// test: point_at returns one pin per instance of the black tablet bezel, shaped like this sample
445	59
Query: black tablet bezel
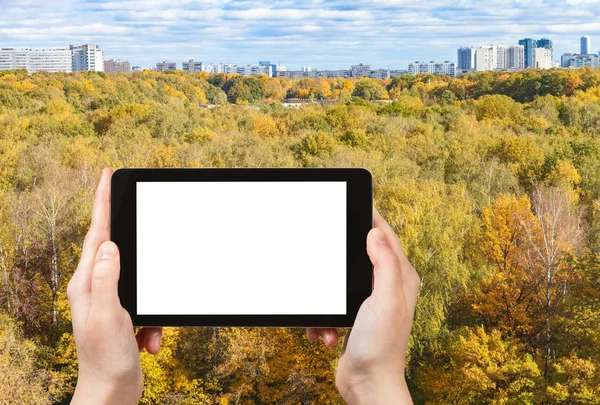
359	220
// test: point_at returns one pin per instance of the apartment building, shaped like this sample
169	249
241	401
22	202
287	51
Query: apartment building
121	66
88	58
35	60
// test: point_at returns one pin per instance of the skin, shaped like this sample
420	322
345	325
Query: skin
371	367
108	351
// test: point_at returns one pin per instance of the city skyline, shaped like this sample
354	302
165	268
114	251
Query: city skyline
323	34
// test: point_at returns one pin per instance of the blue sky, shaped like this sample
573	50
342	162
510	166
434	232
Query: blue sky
317	33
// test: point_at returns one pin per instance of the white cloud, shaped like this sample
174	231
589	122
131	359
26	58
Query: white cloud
267	13
321	33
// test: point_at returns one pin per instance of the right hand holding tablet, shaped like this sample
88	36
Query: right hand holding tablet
371	367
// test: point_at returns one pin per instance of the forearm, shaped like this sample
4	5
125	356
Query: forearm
377	393
99	393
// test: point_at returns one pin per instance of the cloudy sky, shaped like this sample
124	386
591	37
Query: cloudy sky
317	33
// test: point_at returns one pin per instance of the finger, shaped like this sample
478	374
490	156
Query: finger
380	222
386	267
329	336
105	280
152	339
79	288
99	232
411	281
139	337
312	334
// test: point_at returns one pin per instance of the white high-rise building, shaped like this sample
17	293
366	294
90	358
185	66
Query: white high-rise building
510	57
87	58
542	58
192	66
486	58
516	57
585	45
35	60
502	57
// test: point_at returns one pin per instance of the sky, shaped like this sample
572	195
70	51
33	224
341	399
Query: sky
318	33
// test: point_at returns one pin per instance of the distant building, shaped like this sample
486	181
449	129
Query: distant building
218	68
118	65
330	74
542	58
530	44
88	58
377	74
585	45
510	57
274	66
248	70
502	59
192	66
576	61
136	68
546	44
314	74
444	68
355	71
360	69
164	66
35	60
295	74
395	73
486	58
516	57
466	58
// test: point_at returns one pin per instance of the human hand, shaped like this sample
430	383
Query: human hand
107	349
371	366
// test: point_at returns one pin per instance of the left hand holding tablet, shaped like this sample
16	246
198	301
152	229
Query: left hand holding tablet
107	349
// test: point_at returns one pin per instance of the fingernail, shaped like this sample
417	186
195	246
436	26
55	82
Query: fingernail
107	251
379	236
157	341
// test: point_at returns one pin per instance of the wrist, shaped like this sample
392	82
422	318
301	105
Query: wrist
379	391
99	392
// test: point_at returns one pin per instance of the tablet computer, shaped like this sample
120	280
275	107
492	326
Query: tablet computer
242	247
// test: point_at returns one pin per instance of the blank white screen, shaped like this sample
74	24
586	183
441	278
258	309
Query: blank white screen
227	248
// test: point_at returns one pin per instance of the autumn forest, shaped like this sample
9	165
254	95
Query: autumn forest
491	181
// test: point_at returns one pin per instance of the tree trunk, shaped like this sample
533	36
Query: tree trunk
548	331
7	286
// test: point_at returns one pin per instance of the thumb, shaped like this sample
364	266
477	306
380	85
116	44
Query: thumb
105	279
386	267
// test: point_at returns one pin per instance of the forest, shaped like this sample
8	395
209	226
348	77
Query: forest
491	181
